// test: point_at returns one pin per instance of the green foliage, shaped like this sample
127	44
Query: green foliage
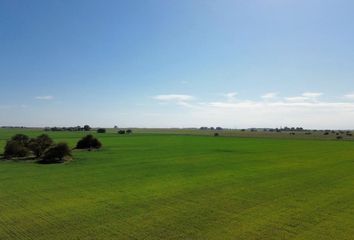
15	148
56	154
87	128
89	142
39	144
121	132
101	130
22	139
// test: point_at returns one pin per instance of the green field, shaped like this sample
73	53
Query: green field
167	186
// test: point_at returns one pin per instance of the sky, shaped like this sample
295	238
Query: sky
177	63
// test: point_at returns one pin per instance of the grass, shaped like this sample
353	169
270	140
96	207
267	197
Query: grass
167	186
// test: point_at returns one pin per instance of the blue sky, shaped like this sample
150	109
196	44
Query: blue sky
265	63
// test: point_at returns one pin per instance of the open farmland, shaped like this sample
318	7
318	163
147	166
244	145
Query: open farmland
169	186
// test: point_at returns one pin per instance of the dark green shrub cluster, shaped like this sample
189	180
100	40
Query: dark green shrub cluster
17	147
56	154
89	142
101	130
42	148
40	144
122	131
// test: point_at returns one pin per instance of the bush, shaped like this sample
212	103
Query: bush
40	144
121	132
129	131
88	142
15	149
339	137
101	130
216	134
21	139
56	154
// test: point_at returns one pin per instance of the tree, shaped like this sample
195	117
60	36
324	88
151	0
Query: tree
87	128
88	142
39	144
101	130
15	149
21	139
56	154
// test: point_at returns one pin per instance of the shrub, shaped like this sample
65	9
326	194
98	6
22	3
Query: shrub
101	130
15	149
40	144
216	134
129	131
21	139
339	137
56	154
88	142
121	132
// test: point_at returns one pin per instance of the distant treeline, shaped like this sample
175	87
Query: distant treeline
72	129
211	128
294	129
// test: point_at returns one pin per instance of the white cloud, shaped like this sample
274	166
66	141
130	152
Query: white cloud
305	110
306	96
174	97
44	97
179	99
312	94
349	96
269	96
297	99
231	96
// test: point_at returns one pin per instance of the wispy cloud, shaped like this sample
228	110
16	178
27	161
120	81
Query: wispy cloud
306	96
312	94
174	97
269	96
179	99
48	97
349	96
306	110
231	96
